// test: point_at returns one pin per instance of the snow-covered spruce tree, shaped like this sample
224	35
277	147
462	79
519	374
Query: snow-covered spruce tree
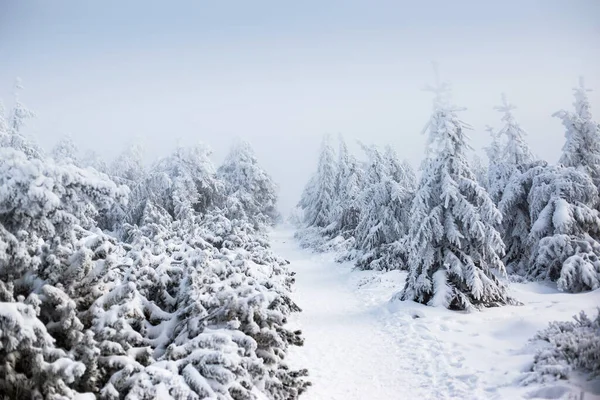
319	203
382	227
510	157
565	230
10	128
183	183
128	169
455	249
191	182
514	159
495	178
516	219
516	152
65	151
92	159
248	188
480	170
582	147
349	185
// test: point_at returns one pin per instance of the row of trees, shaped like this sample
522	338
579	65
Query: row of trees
120	281
462	226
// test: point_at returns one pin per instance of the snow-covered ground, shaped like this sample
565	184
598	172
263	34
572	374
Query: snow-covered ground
359	345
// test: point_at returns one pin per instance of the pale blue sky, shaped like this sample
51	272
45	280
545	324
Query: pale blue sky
281	74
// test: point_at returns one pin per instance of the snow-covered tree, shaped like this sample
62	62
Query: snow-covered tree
516	218
128	167
10	129
94	160
516	152
20	112
349	186
509	186
250	191
386	199
185	183
582	147
565	229
495	178
65	151
320	196
480	170
455	250
510	157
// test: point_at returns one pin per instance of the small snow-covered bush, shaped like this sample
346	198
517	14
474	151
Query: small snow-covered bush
569	345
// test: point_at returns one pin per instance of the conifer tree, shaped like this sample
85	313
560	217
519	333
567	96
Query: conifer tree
250	189
514	160
65	151
495	176
10	129
582	147
565	229
386	199
455	249
319	203
349	185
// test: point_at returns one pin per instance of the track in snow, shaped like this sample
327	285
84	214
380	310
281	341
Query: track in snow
352	351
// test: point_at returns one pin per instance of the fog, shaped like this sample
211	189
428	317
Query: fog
282	74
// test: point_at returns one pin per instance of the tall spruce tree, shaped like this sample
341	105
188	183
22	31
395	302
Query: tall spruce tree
455	249
319	203
514	159
349	185
582	147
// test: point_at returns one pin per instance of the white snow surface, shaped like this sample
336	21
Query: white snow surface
361	345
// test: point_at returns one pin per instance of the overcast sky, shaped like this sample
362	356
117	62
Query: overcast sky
281	74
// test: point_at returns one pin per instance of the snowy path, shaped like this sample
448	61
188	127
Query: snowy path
359	345
349	352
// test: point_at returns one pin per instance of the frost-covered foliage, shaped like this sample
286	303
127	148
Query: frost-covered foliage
48	236
568	346
345	214
183	184
11	126
494	171
516	220
582	147
250	192
480	170
508	153
455	250
318	198
65	151
381	232
516	152
185	303
565	229
368	207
